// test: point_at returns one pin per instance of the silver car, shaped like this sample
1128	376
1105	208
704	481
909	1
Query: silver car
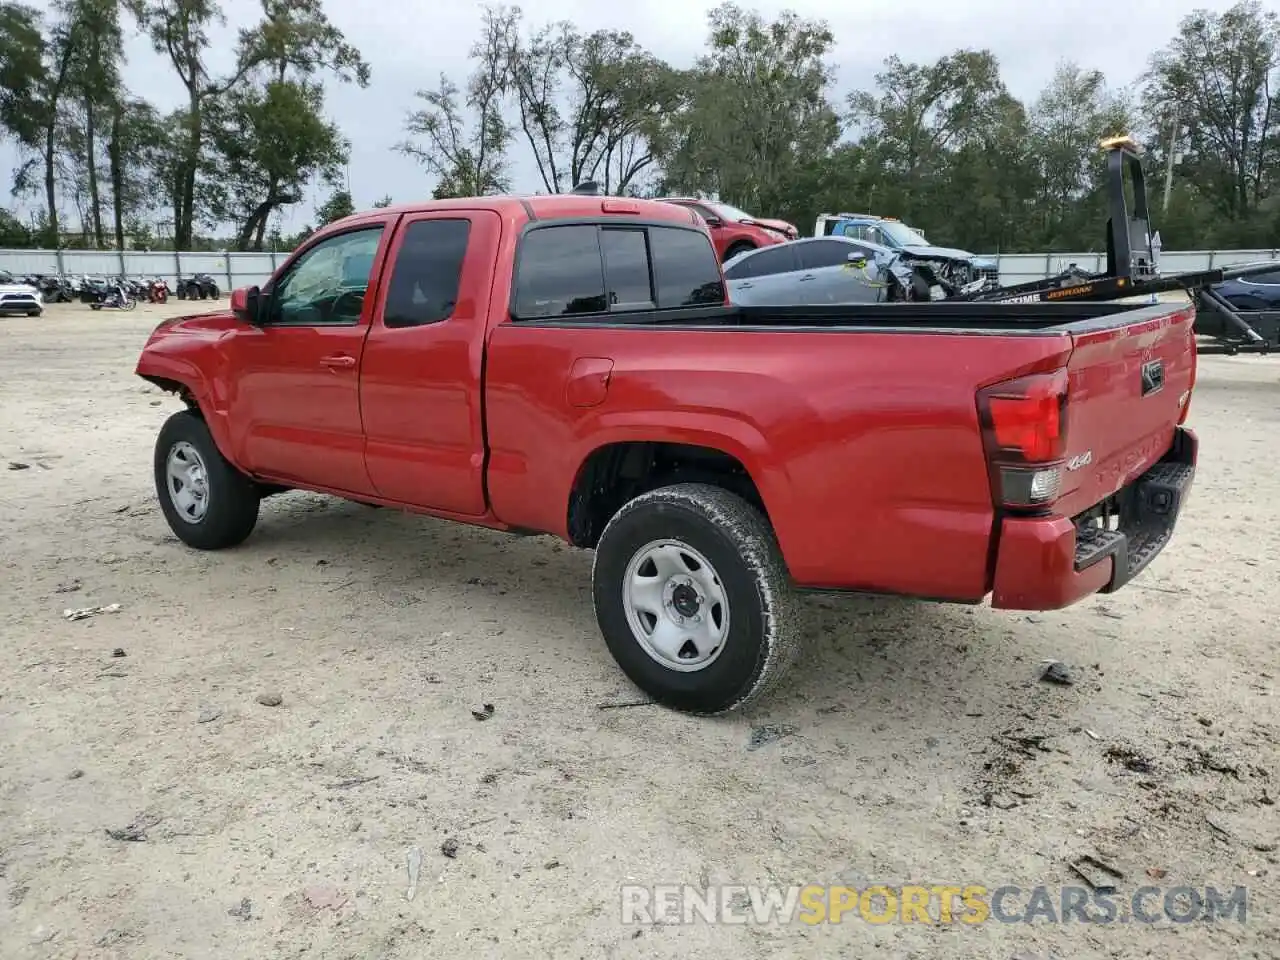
814	271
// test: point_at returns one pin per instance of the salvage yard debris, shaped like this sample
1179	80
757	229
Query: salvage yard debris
84	613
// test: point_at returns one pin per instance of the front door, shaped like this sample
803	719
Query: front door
295	379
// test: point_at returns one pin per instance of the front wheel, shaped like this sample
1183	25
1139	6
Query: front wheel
209	504
736	249
693	598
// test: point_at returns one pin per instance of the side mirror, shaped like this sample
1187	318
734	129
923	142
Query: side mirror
245	302
714	221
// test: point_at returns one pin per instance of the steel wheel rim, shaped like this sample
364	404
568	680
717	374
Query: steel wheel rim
187	482
676	605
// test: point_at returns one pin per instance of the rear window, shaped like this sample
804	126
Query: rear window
764	263
560	273
583	269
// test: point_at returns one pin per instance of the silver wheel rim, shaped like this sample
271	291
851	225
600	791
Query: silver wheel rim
187	481
676	605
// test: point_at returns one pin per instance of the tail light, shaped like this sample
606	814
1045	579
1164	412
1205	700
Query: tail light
1024	432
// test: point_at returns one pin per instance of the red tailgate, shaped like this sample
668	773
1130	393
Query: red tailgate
1128	387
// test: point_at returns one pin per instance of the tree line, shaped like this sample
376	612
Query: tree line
755	120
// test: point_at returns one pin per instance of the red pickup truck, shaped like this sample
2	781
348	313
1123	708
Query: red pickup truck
570	365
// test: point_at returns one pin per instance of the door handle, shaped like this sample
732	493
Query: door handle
745	285
338	361
807	276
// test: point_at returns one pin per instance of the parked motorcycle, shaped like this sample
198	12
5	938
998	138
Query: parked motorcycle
158	290
117	298
93	289
56	289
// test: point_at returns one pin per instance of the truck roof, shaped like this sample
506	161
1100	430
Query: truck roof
551	206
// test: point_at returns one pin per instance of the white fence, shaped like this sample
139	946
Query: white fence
232	270
229	270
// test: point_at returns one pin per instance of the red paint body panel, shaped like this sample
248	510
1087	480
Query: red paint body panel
865	445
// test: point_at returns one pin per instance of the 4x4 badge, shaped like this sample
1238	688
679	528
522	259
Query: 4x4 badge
1080	460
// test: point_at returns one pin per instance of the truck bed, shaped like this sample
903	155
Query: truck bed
1001	318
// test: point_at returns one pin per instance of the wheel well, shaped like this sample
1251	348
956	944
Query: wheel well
180	389
738	247
619	472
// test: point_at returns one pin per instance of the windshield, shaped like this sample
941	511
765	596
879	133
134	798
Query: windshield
901	234
728	213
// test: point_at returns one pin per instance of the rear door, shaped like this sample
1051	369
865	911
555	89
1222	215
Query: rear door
1127	389
420	378
769	276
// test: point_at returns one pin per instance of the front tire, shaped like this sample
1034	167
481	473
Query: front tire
693	598
736	249
209	504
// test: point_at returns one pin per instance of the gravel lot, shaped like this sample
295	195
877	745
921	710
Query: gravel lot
915	744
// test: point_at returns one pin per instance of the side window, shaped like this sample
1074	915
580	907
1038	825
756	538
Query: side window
560	273
824	253
326	285
685	269
771	260
626	269
875	235
428	268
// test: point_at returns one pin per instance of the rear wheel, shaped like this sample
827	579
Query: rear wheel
693	598
208	503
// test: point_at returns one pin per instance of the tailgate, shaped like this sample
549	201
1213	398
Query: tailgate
1128	386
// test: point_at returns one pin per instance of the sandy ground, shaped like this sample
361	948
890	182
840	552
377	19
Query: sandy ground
916	743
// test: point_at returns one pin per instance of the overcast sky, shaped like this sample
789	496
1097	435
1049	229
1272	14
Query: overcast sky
409	42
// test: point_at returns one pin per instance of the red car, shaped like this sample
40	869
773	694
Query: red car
570	365
735	231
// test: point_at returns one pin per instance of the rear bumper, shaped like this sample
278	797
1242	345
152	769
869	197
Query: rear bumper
1045	563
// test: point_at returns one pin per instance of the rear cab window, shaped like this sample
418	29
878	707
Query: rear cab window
576	269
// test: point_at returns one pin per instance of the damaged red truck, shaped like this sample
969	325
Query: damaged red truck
569	365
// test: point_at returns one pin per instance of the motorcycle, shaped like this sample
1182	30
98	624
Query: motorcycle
158	291
93	289
118	298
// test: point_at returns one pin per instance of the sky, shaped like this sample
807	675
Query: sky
409	43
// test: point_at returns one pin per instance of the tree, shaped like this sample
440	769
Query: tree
468	158
591	107
23	72
757	112
95	84
1068	120
338	205
1214	88
136	155
293	33
269	142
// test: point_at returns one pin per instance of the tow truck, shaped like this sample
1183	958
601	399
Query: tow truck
1133	269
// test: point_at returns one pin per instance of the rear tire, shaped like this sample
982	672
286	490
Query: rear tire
693	598
209	504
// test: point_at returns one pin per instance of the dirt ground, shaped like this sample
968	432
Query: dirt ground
915	744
